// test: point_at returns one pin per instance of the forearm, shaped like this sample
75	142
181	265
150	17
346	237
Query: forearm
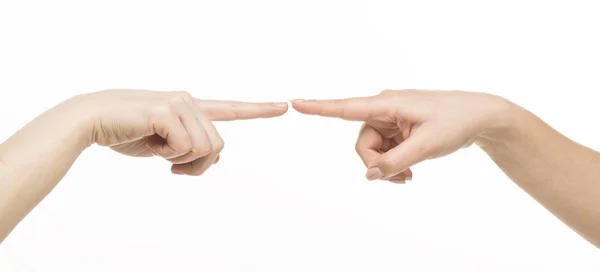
559	173
35	159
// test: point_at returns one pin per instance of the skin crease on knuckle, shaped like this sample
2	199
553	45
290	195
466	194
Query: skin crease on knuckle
178	100
182	94
203	146
165	115
160	113
204	149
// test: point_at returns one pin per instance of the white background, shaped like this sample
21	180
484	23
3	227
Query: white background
289	194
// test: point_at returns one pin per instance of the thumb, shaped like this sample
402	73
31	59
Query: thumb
418	147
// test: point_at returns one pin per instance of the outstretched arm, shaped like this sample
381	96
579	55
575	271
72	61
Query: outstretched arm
402	128
36	158
172	125
561	174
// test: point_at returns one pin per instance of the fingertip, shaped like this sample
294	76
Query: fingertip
176	170
281	108
280	105
398	181
408	174
374	173
301	106
390	164
274	109
184	169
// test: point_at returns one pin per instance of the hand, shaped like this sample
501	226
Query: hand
403	128
172	125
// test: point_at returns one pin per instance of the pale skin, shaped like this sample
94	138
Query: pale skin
403	128
171	125
400	129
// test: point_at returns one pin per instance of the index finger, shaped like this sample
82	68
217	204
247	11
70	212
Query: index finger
353	109
221	110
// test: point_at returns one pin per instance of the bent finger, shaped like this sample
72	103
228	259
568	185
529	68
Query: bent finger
201	142
200	165
171	139
418	147
368	144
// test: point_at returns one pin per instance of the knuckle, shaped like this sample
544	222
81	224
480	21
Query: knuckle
358	147
176	101
162	110
203	149
181	94
236	104
179	97
186	147
218	146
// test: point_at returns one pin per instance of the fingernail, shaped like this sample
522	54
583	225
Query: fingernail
281	105
176	171
374	173
408	178
297	100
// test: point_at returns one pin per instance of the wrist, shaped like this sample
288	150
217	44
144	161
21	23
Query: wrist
502	121
79	119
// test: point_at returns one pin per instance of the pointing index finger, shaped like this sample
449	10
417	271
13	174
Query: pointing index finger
354	109
221	110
